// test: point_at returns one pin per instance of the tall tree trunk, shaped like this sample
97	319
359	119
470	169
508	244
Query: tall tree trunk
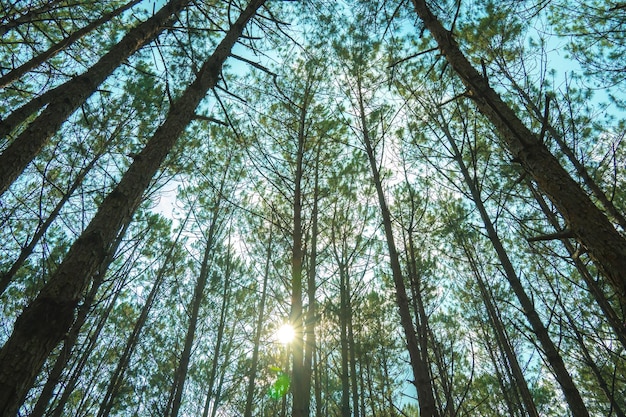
217	352
415	281
7	277
63	100
72	336
82	360
584	219
301	383
311	313
446	380
198	296
501	336
217	396
66	351
318	385
591	361
353	350
572	396
581	170
618	326
502	381
259	328
117	379
43	323
422	381
31	64
370	385
343	337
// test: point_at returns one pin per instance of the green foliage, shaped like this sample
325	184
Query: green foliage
231	181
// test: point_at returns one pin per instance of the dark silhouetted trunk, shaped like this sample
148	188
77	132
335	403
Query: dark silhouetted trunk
45	321
421	373
301	377
198	296
311	313
31	64
585	220
259	328
618	326
572	396
63	100
212	393
26	250
502	339
72	337
598	193
86	351
117	379
343	337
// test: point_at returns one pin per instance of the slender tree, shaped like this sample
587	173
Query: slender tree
259	328
117	378
47	318
213	390
32	63
27	249
63	100
502	338
421	372
610	315
570	391
584	219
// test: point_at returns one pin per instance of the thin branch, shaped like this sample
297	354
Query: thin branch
565	234
210	119
412	56
254	64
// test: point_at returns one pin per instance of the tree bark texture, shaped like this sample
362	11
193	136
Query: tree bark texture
586	221
44	322
63	100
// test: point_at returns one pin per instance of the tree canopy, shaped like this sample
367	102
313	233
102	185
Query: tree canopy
429	195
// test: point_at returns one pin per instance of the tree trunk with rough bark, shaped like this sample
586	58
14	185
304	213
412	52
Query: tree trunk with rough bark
63	100
72	337
32	63
44	322
584	219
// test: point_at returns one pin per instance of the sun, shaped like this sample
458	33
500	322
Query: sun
285	334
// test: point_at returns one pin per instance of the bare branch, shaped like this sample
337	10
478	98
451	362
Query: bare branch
564	234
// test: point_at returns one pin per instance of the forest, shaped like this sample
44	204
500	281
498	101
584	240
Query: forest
355	208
